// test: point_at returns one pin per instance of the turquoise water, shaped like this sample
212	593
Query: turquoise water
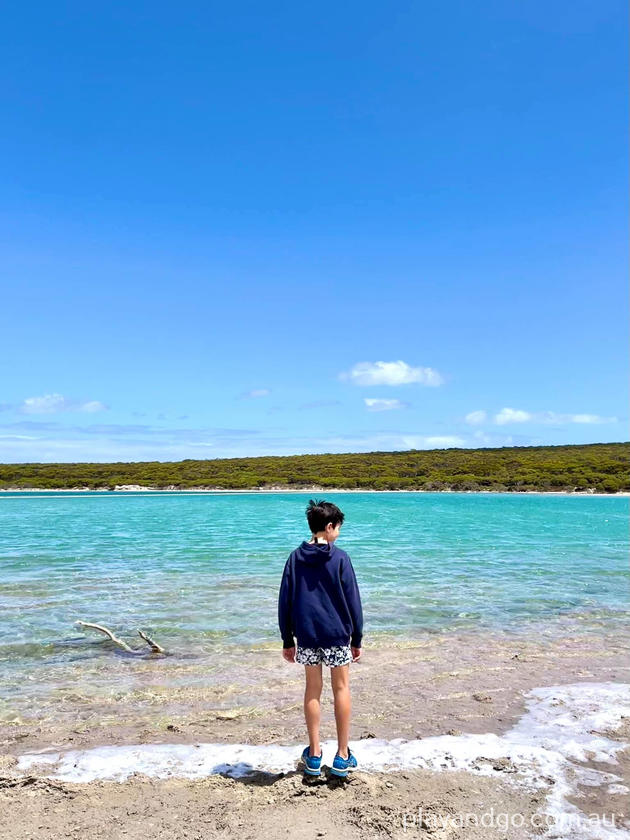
204	569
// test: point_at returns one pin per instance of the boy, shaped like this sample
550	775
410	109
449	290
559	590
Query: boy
319	603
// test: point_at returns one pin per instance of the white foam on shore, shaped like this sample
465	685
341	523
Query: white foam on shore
563	726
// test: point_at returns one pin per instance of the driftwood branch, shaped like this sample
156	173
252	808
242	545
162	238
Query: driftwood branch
153	645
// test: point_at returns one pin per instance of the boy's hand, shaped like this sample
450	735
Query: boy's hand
288	654
356	653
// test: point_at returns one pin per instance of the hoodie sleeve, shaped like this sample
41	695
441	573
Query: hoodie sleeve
353	599
285	607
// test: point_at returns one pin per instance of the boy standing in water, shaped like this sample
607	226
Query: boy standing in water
319	604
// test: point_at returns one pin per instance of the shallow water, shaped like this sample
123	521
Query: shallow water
200	573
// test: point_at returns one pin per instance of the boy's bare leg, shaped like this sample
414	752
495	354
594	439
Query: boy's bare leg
340	682
312	706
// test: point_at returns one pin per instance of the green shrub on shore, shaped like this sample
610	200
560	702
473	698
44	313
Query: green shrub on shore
599	467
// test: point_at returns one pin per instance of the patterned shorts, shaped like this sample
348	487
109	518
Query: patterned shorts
331	656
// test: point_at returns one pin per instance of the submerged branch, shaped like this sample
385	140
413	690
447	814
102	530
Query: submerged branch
155	648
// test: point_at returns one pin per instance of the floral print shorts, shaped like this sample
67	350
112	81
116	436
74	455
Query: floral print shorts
331	656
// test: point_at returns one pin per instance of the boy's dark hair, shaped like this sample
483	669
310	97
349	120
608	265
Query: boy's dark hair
320	513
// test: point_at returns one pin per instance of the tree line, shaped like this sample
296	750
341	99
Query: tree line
599	467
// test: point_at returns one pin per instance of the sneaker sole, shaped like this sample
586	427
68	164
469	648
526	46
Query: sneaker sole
312	772
340	773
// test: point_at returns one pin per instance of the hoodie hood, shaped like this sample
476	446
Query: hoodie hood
314	552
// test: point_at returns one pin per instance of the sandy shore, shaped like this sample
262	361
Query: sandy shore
438	685
369	806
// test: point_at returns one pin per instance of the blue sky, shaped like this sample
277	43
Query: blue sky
248	229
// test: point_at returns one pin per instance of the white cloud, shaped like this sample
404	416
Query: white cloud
391	373
474	418
440	441
92	406
482	437
593	418
49	404
256	393
59	442
430	441
512	415
50	440
55	403
384	405
552	417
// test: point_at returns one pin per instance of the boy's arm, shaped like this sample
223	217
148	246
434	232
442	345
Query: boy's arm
353	599
285	607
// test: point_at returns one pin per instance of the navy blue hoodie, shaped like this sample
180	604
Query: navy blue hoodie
319	602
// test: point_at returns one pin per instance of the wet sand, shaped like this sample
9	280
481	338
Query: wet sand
436	685
439	684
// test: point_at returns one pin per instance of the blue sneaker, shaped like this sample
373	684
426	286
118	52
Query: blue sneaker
312	763
340	766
